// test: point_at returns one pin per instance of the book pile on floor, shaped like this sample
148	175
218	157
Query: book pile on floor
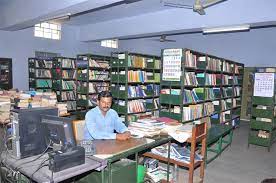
27	99
5	105
32	99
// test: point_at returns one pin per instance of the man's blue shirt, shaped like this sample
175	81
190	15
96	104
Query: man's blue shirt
98	126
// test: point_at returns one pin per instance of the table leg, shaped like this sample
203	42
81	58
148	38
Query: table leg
168	163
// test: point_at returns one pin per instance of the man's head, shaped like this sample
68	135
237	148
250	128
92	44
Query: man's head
104	101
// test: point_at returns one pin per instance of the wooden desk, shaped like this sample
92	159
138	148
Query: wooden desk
114	150
29	167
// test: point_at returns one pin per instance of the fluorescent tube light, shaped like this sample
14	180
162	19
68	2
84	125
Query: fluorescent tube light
226	29
57	18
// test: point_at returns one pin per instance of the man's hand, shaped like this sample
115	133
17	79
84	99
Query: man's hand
123	136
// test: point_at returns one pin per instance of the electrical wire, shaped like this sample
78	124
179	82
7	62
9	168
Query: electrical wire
42	154
40	166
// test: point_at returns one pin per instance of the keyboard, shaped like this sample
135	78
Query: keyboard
89	147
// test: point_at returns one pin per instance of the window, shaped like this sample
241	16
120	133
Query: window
111	43
42	54
48	30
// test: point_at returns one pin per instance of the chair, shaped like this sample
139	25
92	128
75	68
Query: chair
199	135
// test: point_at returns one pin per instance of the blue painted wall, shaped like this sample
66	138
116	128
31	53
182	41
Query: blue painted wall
254	48
20	45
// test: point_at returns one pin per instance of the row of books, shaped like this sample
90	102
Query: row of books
68	95
84	61
71	105
138	76
140	105
43	73
226	104
143	62
142	90
64	74
40	63
43	83
195	79
65	63
98	75
92	75
95	87
191	59
99	63
91	99
213	64
199	94
227	67
68	85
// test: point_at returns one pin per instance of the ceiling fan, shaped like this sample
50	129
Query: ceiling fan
163	38
198	6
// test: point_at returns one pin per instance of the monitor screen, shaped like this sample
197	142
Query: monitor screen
58	130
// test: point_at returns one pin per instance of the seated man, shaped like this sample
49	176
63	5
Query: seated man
101	121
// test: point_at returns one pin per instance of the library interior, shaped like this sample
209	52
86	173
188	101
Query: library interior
137	91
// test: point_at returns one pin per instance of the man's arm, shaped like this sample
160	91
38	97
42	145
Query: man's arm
92	129
121	128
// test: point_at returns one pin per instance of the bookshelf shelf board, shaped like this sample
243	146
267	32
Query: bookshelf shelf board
135	98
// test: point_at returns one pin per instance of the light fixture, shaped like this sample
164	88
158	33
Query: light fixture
233	28
59	18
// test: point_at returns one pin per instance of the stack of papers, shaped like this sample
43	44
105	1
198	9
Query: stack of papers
147	127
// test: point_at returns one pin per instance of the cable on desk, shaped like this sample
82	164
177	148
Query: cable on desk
42	154
40	166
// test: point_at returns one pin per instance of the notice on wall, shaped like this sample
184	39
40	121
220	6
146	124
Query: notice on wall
172	64
264	85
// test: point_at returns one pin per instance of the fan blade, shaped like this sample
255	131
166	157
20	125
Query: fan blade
208	3
156	40
199	11
169	40
176	4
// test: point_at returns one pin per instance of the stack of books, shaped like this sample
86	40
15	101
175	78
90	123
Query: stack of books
147	127
178	153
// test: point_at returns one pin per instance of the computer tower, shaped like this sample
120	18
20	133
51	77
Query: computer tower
28	137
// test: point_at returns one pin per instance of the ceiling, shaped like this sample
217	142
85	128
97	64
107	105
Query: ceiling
118	12
104	19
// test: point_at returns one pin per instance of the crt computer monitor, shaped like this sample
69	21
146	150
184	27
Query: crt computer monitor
58	130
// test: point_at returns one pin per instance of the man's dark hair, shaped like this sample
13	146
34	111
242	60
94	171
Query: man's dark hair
104	94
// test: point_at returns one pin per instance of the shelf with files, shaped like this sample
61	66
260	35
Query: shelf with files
135	82
93	76
64	81
6	74
195	85
40	75
263	110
